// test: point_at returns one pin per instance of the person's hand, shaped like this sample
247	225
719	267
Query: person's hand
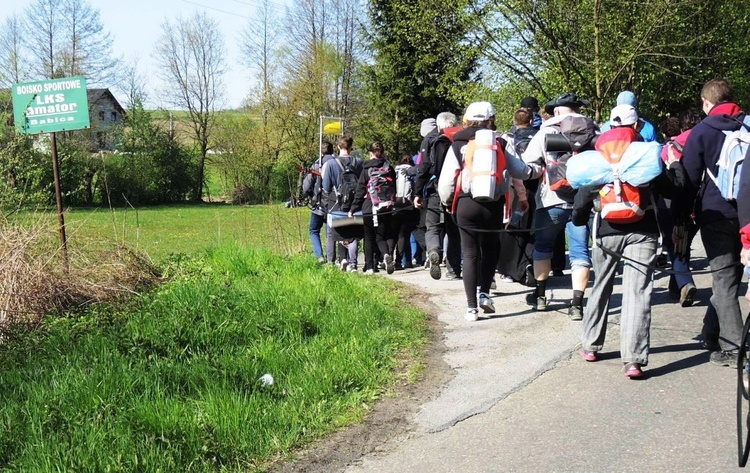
351	214
671	155
743	255
523	205
417	202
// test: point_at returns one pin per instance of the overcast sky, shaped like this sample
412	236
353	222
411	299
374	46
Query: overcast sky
135	26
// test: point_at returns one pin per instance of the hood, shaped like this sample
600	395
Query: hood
724	116
428	125
374	162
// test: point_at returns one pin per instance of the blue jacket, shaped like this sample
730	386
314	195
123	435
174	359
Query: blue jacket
702	151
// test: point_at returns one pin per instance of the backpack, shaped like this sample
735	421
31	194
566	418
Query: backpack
347	183
579	133
736	146
482	167
404	185
621	202
380	186
436	161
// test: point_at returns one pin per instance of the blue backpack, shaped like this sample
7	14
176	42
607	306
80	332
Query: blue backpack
736	146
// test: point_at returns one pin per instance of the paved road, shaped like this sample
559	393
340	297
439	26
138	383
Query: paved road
523	400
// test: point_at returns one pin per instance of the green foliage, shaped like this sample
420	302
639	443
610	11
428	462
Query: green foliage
173	383
24	171
151	167
423	65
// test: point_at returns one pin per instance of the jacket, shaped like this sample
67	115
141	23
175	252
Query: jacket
330	177
702	151
312	186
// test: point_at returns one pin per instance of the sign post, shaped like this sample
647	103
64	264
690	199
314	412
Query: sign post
50	106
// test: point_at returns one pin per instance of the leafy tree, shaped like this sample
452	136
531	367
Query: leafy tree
423	64
192	56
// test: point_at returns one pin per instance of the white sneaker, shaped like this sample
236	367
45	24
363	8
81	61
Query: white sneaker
471	315
352	268
370	271
344	264
486	303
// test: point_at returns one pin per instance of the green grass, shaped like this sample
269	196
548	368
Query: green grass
171	382
163	230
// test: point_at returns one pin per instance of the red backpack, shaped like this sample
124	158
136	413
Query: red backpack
620	202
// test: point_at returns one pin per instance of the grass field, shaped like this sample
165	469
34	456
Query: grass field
172	381
162	230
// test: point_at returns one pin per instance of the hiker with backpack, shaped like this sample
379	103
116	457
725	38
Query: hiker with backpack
375	197
473	182
712	159
625	229
439	225
554	200
676	222
312	186
340	177
645	129
406	215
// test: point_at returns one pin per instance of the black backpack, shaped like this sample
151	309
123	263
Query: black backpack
347	183
577	133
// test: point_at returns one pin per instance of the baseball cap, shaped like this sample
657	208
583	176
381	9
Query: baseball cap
479	111
627	97
623	115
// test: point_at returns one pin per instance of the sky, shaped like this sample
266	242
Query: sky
135	26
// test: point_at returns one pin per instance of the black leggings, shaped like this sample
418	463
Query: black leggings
381	238
480	248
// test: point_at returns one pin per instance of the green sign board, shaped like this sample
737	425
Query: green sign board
51	105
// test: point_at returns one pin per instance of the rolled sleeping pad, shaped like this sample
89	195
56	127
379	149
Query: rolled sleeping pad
338	219
556	142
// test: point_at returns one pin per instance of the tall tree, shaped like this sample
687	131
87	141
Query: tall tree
66	38
423	64
598	48
12	67
192	57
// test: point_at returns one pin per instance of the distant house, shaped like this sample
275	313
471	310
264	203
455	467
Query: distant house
105	113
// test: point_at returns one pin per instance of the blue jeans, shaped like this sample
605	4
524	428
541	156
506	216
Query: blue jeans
550	222
316	223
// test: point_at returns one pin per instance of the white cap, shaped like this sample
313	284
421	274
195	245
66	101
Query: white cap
623	115
479	111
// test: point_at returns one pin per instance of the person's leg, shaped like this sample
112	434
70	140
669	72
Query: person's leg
316	223
490	251
353	253
579	255
595	314
557	263
330	246
453	249
722	243
548	223
637	285
434	225
369	244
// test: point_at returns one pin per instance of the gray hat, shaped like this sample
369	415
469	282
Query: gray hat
428	124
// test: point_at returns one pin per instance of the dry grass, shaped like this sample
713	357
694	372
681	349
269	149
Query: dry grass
34	283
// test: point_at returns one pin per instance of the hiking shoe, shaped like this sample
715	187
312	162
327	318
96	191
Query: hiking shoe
588	355
352	268
687	294
486	303
321	260
575	312
344	264
538	302
633	370
434	260
471	315
725	358
505	278
389	266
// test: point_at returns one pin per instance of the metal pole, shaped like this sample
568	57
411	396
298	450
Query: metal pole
320	136
58	197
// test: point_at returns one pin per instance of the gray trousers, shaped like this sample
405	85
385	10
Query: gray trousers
637	284
439	224
722	243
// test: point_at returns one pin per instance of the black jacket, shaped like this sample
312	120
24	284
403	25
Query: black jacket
361	196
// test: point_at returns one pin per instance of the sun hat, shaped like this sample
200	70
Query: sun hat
627	97
568	99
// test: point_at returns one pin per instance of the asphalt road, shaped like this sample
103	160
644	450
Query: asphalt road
522	399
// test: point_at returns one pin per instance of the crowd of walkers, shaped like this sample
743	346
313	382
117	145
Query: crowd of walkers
619	196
